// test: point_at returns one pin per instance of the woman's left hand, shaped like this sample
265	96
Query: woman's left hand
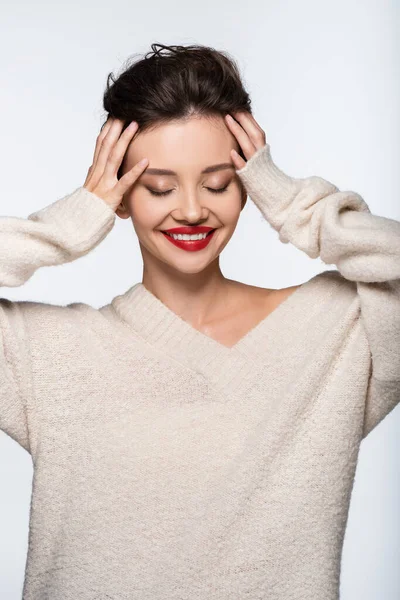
248	133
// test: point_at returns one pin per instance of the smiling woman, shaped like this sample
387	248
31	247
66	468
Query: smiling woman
196	437
179	96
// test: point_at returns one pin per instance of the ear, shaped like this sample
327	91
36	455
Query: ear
122	212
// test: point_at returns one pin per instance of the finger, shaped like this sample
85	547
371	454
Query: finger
250	125
104	130
240	134
88	176
249	116
130	177
119	150
107	145
238	161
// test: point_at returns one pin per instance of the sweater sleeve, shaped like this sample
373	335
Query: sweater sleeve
337	226
59	233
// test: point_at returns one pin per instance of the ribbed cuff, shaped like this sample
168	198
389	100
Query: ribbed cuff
81	218
270	189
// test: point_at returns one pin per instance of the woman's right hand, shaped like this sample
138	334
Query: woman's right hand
108	155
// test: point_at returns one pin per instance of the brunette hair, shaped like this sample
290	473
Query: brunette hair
175	84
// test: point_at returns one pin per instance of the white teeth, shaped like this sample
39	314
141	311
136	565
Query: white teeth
185	236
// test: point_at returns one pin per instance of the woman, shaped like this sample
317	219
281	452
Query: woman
196	437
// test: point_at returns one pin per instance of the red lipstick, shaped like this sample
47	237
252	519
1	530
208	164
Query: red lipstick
190	245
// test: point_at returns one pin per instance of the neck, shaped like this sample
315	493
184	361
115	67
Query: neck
196	297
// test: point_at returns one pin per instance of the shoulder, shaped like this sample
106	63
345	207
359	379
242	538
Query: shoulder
326	287
45	321
269	296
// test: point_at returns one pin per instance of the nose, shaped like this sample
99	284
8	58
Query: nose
190	209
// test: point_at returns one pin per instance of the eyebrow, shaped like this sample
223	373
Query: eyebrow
210	169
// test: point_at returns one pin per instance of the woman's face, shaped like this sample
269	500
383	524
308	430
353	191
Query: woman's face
188	148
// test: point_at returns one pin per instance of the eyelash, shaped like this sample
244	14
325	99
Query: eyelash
212	190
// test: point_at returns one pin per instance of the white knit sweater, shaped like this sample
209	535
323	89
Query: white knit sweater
170	467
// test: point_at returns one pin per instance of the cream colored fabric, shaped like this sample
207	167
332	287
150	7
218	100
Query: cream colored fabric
167	466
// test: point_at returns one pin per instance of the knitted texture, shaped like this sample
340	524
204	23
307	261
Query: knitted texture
168	466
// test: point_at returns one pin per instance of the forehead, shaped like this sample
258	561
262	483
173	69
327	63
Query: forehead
182	145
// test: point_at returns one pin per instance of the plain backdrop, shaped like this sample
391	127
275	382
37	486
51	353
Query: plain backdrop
324	78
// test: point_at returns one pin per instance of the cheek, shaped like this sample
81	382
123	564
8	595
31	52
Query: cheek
229	209
146	213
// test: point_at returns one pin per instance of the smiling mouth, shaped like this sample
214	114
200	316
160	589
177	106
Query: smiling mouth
190	245
170	234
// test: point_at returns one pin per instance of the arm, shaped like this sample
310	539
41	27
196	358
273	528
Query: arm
59	233
338	226
56	234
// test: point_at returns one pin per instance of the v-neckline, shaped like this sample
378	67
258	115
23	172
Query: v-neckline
170	334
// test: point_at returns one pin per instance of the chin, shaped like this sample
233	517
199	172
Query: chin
188	269
189	263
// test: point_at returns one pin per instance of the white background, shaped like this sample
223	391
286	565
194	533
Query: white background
324	78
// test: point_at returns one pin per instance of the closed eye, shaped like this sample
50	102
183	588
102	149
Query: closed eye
212	190
219	190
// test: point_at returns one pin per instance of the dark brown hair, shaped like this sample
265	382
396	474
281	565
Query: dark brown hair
175	82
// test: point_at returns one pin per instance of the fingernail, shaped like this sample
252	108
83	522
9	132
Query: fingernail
143	161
